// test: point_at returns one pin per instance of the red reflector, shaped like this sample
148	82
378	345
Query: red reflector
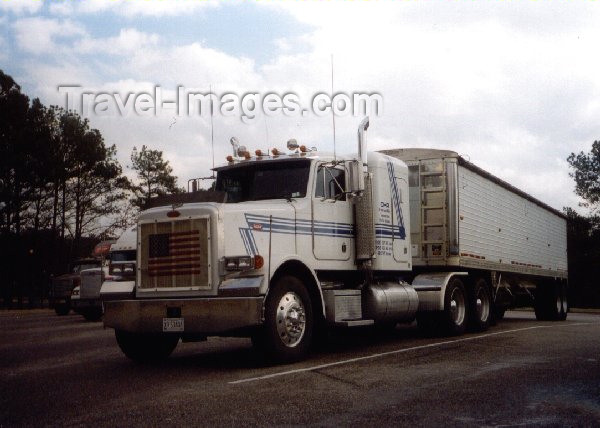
259	262
173	213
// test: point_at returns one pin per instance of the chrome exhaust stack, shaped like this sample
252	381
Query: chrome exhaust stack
363	209
362	152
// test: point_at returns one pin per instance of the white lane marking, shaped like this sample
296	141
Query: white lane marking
396	351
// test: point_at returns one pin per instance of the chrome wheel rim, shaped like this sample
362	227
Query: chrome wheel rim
558	304
291	319
457	306
482	303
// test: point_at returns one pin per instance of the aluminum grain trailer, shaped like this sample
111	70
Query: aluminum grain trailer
464	218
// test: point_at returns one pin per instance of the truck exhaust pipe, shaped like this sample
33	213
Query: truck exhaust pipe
363	208
362	152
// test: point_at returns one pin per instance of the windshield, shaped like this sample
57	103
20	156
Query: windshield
79	268
260	181
122	256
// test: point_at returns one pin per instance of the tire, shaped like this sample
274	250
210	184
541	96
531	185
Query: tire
540	303
428	323
146	347
455	314
480	306
499	313
564	310
62	309
92	315
548	303
286	335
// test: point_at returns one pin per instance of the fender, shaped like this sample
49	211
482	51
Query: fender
431	288
295	258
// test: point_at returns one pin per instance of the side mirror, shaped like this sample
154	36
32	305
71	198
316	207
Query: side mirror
355	172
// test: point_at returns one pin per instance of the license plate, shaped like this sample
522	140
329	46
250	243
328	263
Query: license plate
172	324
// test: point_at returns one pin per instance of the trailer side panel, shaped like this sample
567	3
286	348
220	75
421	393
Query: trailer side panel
499	228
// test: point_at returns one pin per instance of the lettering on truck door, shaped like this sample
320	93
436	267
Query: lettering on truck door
397	204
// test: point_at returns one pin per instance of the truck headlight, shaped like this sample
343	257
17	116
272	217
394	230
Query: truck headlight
242	263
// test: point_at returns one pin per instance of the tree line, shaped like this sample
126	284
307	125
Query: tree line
583	231
62	190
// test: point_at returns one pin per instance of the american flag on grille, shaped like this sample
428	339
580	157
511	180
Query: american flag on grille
174	254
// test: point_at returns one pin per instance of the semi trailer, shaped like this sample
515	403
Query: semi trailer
296	242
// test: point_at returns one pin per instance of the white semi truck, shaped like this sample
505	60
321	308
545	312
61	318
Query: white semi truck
119	283
304	240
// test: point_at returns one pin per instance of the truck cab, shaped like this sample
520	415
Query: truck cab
287	229
63	285
85	299
119	282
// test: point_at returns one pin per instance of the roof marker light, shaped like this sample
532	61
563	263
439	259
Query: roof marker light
241	151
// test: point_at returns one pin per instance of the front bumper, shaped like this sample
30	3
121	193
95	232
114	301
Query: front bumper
79	304
201	315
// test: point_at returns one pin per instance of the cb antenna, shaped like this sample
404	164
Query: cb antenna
212	131
332	112
266	132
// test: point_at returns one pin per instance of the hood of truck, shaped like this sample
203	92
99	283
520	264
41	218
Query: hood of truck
181	248
246	225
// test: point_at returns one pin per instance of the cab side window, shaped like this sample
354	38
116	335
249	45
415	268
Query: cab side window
330	183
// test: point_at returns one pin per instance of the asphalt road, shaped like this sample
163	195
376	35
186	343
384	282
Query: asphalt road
68	372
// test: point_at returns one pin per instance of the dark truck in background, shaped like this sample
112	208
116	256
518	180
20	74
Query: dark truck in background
63	285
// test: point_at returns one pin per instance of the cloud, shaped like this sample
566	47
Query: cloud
19	7
127	42
513	88
43	35
3	49
133	8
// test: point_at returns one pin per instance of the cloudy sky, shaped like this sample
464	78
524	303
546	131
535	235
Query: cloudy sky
514	86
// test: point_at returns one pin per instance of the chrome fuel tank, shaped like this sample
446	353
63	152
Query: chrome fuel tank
390	301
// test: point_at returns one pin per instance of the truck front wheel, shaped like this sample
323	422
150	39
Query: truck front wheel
146	347
287	333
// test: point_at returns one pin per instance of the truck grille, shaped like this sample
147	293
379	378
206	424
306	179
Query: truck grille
62	287
175	254
91	282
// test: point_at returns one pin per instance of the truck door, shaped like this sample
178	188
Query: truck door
332	227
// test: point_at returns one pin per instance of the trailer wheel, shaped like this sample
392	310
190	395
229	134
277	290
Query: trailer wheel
454	316
62	309
428	323
287	332
480	303
564	310
146	347
499	313
548	303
